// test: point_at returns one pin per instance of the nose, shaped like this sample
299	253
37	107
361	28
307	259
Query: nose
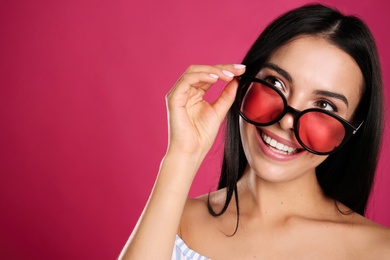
287	121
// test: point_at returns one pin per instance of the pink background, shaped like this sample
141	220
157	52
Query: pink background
82	110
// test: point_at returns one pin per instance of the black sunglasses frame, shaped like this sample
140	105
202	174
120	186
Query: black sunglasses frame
245	81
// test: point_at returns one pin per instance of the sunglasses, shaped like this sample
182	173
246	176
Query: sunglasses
317	130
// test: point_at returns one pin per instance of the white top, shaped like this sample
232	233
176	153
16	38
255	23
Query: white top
182	252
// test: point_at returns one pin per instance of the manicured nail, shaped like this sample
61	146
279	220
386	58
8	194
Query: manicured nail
228	73
239	66
214	75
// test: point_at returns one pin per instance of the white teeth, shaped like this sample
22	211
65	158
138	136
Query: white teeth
279	147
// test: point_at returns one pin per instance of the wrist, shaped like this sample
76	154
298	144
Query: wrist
190	158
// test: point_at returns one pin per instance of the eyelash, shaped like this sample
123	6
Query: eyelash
327	102
273	79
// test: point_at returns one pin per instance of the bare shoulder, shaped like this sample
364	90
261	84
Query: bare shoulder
372	238
197	216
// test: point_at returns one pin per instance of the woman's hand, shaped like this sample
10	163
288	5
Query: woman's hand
193	126
193	122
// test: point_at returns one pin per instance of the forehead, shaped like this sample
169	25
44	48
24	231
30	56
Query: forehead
315	63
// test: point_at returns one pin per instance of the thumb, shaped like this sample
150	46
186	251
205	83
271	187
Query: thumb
226	99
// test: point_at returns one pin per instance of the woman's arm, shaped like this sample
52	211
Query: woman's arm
193	127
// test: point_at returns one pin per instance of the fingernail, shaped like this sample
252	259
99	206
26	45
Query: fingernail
239	66
228	73
214	75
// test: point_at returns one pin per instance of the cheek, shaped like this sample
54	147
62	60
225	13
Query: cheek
253	153
247	134
243	134
316	160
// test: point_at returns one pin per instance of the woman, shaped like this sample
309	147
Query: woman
303	134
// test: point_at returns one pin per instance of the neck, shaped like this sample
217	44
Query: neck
302	196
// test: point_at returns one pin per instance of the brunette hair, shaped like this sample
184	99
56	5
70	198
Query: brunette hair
347	175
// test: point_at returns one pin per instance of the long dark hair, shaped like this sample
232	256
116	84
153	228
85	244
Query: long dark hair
347	175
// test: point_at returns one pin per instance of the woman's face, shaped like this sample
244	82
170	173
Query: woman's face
311	73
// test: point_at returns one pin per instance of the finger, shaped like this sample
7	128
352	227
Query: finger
214	68
226	72
188	81
223	103
196	80
219	70
203	77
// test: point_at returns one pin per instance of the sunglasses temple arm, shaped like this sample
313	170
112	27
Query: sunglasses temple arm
357	128
243	79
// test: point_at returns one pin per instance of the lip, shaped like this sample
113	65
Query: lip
280	139
272	154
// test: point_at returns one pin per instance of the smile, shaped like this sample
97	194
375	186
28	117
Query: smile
278	147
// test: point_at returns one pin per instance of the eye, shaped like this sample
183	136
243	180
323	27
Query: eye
326	105
275	82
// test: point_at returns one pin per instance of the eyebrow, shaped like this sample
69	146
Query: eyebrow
287	76
279	70
332	95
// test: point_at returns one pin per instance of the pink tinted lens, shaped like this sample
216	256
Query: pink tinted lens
261	103
320	132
